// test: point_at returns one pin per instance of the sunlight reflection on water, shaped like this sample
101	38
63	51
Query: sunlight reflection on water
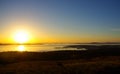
35	48
21	48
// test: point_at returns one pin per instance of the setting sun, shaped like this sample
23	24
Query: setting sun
21	37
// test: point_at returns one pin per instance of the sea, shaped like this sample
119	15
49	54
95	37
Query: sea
40	47
35	47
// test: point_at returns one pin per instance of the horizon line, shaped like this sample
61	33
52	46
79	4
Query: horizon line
60	43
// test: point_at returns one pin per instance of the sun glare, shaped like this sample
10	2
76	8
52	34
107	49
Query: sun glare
21	37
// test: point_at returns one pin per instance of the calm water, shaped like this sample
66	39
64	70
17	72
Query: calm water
34	48
40	48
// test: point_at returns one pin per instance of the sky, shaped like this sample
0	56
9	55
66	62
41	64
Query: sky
61	20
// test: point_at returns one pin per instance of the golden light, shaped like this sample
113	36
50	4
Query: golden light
21	48
21	37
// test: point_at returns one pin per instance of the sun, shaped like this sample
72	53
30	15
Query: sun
21	37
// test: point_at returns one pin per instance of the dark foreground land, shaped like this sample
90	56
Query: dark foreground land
104	59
